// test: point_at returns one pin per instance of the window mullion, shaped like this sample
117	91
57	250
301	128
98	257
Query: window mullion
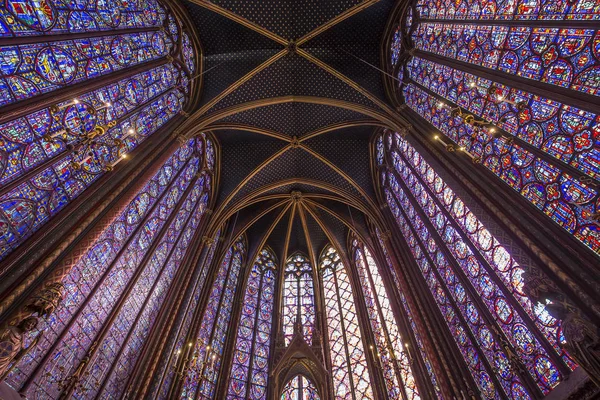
335	269
256	312
201	377
488	268
487	367
384	324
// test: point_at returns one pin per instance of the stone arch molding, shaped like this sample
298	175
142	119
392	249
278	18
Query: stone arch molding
197	123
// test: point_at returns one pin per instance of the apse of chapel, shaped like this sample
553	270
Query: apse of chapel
291	221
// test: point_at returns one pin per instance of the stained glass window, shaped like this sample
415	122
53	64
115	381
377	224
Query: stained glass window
31	17
300	388
392	357
350	373
123	273
409	313
205	362
557	56
563	132
396	45
523	10
134	261
69	62
249	368
298	297
173	359
466	254
463	334
543	147
569	203
110	91
497	257
159	278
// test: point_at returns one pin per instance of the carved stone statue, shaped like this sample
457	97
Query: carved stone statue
583	344
46	300
582	336
11	343
42	303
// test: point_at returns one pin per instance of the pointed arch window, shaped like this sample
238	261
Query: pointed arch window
111	76
169	369
443	233
350	372
133	263
300	388
298	298
130	331
537	142
114	292
393	358
409	315
249	368
205	361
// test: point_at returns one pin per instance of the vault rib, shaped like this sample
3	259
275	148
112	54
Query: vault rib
336	20
241	20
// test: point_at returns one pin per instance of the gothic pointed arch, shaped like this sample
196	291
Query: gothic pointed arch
249	368
298	298
300	387
392	351
299	359
205	358
350	374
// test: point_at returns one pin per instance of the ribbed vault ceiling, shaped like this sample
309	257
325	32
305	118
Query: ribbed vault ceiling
289	93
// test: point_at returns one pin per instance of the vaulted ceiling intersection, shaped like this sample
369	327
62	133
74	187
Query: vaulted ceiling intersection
292	92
